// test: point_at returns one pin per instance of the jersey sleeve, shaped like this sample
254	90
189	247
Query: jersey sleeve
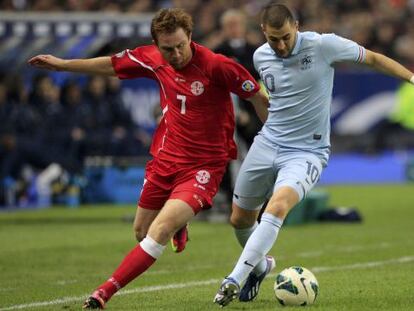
235	77
338	49
130	64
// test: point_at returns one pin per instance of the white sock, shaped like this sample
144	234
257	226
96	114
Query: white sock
151	247
258	245
242	236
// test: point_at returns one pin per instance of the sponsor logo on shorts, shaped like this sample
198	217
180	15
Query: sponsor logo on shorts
203	177
199	186
248	86
197	88
198	199
120	54
178	79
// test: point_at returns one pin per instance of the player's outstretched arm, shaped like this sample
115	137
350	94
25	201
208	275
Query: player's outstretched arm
261	105
388	66
98	65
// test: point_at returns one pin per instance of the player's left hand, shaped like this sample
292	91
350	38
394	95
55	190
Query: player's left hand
49	62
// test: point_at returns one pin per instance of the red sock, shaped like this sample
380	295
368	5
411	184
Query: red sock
135	263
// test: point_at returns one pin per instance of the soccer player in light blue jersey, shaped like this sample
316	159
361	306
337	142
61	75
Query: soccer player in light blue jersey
288	155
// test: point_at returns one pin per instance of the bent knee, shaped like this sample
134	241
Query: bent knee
282	201
140	233
139	236
243	220
162	231
279	207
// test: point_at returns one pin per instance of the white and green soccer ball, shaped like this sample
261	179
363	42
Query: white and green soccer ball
296	286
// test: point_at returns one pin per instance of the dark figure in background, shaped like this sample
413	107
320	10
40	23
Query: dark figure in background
75	113
24	136
237	46
98	120
21	126
128	138
397	131
52	132
109	127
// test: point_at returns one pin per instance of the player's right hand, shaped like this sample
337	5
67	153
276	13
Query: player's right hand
49	62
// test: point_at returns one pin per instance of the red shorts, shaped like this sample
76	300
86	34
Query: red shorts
194	184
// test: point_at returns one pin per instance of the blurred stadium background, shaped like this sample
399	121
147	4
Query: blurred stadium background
72	139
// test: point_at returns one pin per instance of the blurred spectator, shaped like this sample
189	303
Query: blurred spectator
20	145
7	141
21	129
236	45
128	138
382	36
109	126
41	93
72	124
404	45
397	131
81	5
98	120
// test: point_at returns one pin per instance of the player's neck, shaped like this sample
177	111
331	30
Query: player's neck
190	56
294	44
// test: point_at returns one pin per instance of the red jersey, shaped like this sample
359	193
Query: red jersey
198	118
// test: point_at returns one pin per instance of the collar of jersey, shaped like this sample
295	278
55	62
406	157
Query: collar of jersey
297	44
295	48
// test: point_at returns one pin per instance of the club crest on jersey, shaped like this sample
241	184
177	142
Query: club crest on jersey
203	177
197	88
306	62
248	86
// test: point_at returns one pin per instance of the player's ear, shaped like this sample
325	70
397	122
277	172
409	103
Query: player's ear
297	25
189	36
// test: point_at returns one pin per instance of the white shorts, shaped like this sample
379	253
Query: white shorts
265	169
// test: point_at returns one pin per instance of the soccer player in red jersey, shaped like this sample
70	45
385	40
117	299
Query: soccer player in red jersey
193	142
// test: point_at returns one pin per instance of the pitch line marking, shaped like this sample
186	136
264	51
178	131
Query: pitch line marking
147	289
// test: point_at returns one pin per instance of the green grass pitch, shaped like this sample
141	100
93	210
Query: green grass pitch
51	259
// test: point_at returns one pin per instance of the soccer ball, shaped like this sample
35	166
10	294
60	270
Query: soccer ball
296	286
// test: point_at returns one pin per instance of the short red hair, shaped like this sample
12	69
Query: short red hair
169	20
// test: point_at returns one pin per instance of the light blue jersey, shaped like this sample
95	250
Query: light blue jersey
300	90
